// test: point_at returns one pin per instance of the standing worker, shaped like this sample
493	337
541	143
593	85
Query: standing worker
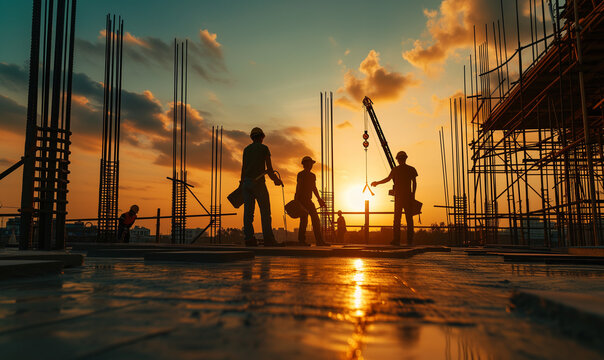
404	196
305	187
125	223
341	222
257	162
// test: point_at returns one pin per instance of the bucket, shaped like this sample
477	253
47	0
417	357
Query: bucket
236	198
295	209
416	207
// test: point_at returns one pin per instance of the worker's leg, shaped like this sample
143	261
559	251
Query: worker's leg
302	229
396	226
316	223
409	218
127	237
265	211
249	206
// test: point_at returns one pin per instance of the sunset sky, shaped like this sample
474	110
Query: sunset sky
255	63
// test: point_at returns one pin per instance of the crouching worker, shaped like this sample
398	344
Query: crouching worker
257	162
305	187
125	223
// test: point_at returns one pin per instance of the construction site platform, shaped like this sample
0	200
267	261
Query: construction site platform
578	256
357	251
10	269
430	306
578	315
199	256
66	258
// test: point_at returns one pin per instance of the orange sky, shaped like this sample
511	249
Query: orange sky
243	75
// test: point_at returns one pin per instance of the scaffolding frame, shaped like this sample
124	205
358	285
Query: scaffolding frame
535	165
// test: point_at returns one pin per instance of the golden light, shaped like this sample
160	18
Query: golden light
354	199
357	298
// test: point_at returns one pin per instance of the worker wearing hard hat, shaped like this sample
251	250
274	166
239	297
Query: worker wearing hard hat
306	186
404	195
257	162
125	222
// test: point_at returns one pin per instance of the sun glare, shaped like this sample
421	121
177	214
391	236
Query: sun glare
355	199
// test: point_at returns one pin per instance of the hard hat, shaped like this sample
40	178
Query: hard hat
134	208
256	132
401	154
307	158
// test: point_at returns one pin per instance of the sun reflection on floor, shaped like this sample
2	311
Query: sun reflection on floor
358	302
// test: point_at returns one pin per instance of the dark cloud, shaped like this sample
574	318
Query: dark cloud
13	77
12	115
6	162
205	54
147	124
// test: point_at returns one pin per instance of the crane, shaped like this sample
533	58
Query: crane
380	134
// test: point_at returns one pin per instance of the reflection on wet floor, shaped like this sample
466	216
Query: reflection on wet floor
431	306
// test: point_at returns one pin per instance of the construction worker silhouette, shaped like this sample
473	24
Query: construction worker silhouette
404	195
257	162
306	186
341	222
125	222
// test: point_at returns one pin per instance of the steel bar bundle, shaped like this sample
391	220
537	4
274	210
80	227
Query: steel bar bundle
327	166
216	186
535	172
179	143
110	150
47	139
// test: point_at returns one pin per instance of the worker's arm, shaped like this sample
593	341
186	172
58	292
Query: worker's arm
383	181
271	173
316	192
413	186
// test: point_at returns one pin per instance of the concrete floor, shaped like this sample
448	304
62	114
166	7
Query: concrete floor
431	306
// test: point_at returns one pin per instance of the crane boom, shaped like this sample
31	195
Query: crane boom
378	129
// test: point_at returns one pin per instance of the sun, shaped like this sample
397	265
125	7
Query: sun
354	199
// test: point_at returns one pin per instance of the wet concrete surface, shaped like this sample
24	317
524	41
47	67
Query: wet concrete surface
431	306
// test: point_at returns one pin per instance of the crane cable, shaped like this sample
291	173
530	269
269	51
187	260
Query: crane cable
366	145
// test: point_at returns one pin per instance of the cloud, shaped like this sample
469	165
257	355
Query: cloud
344	125
451	28
378	83
147	124
13	77
128	38
205	55
6	162
13	115
209	40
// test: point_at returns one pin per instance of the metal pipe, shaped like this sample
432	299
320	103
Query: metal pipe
590	165
27	184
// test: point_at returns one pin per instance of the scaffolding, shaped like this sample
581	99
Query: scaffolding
110	150
179	144
47	139
534	174
327	170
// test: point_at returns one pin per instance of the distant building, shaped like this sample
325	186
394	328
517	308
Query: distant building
139	234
